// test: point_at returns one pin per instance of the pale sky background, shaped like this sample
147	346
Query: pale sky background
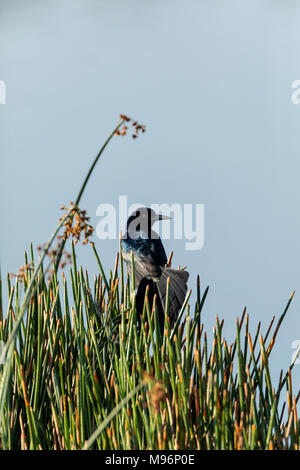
212	82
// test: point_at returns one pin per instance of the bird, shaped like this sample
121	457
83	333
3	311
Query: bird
150	265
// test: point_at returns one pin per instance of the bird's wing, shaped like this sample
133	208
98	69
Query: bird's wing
147	261
149	257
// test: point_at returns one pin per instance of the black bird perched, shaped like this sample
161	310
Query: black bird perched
150	264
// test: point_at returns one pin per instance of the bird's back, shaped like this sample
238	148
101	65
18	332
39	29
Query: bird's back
149	255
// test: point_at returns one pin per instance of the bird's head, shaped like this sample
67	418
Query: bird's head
142	219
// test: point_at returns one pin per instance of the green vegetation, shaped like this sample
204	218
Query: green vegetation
82	372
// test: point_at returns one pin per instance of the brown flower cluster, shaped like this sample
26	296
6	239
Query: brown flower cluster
66	257
137	127
21	274
76	225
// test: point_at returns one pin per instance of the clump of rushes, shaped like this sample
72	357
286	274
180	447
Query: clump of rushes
87	375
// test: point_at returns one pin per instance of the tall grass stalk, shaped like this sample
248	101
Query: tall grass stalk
85	182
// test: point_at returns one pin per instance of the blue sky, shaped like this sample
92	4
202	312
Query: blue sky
212	82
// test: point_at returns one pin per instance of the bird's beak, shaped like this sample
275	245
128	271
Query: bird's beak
163	217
